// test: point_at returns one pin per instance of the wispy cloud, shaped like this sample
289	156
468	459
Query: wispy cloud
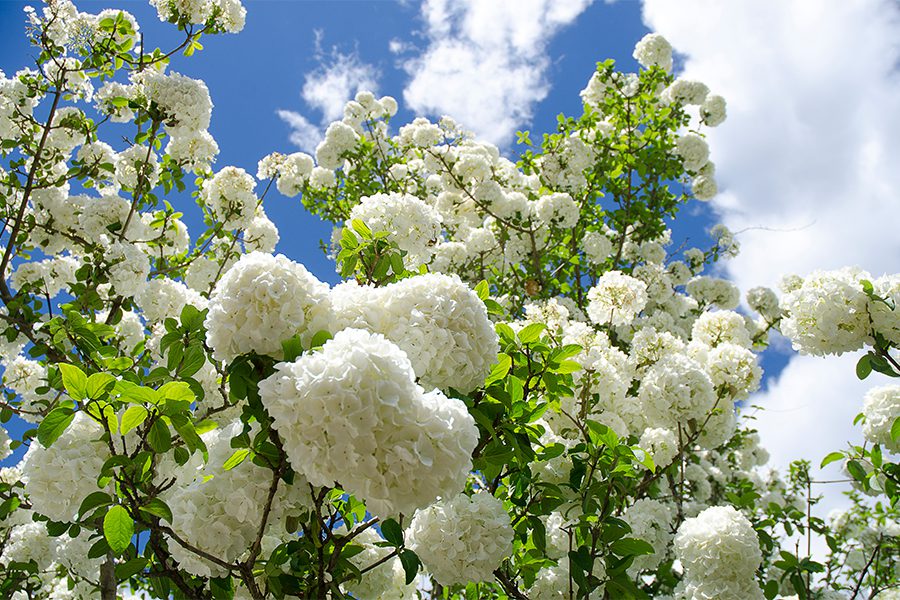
808	164
484	62
325	90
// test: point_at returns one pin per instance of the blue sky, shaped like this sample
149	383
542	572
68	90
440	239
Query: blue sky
807	160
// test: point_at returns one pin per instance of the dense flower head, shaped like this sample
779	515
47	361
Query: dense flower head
650	520
719	550
58	478
462	538
720	327
881	408
261	301
218	510
827	313
230	197
694	150
163	298
616	299
412	224
438	321
675	390
400	447
185	102
386	581
735	369
653	50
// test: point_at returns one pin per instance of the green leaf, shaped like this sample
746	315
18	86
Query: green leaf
531	333
53	425
237	458
74	380
895	430
857	472
319	339
98	384
863	367
482	290
118	528
391	531
361	228
833	457
157	508
159	437
132	567
631	547
92	501
133	417
292	348
499	371
410	562
176	390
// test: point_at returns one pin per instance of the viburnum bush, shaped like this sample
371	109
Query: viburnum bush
521	389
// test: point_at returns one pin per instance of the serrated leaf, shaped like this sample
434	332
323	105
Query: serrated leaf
832	457
391	531
499	371
237	458
98	384
531	333
54	425
410	562
92	501
176	390
118	527
482	290
133	417
74	380
159	437
158	508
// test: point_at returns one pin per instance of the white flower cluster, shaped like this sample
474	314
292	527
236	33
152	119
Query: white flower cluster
340	138
387	581
163	298
229	195
827	313
412	224
616	299
720	554
676	390
694	150
556	583
262	301
440	324
24	376
650	520
227	15
653	50
185	102
462	539
218	511
58	478
881	408
352	413
557	210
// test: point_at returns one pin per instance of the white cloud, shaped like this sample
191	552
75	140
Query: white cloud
326	90
485	62
808	163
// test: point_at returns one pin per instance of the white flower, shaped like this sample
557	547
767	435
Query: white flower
129	268
24	376
261	234
184	102
712	111
694	150
352	413
650	521
719	327
719	551
218	510
137	164
162	298
616	299
412	224
654	51
827	313
229	195
685	91
711	290
557	210
661	444
675	390
735	369
340	139
596	246
462	539
436	319
881	407
764	301
262	301
58	478
193	150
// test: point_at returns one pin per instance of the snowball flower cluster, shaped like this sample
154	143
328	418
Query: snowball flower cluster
881	408
616	299
229	195
720	554
827	313
340	138
218	511
58	478
436	319
387	580
185	102
675	390
412	224
649	521
557	210
654	51
694	150
462	539
261	301
163	298
352	413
